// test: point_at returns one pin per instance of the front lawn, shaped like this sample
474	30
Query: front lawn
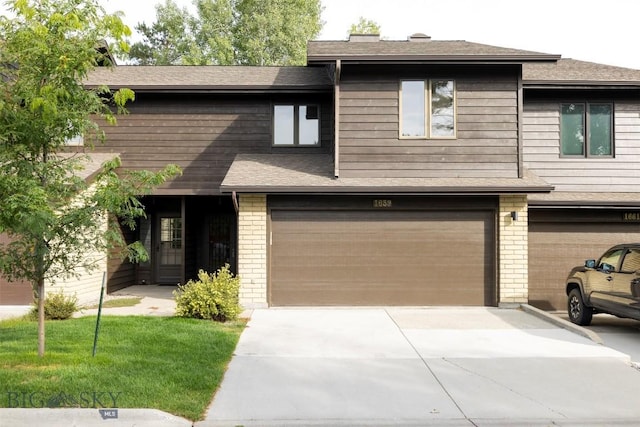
168	363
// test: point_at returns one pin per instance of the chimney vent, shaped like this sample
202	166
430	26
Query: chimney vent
364	37
419	37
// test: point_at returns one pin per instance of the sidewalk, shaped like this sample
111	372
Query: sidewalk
157	300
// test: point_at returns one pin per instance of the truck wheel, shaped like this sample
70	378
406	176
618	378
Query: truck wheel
579	313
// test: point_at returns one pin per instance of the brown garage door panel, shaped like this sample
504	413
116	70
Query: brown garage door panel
555	248
15	293
378	258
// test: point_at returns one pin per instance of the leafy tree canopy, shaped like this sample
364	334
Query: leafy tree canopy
226	32
365	26
53	216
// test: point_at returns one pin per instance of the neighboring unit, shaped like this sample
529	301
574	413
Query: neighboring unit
417	172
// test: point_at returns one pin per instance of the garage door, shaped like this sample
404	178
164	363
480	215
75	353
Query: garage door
555	248
382	258
14	293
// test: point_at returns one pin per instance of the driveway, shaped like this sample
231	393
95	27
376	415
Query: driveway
421	366
620	334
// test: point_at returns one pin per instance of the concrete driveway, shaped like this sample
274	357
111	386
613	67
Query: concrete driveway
421	366
620	334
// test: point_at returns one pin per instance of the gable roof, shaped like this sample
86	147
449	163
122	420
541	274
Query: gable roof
425	50
193	78
573	72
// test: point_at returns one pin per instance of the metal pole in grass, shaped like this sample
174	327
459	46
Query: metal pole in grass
95	336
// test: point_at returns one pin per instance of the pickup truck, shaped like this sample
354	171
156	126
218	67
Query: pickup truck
610	284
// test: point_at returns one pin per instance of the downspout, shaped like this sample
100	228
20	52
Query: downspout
336	119
519	123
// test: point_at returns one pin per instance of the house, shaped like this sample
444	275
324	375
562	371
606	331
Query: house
84	284
416	172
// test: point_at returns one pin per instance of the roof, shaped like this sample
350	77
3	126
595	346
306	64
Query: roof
313	173
89	164
426	50
209	77
573	72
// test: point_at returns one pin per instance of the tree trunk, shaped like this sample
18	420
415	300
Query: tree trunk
41	317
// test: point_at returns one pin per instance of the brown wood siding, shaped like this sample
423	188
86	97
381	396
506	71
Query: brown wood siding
14	293
541	149
560	240
486	142
382	258
120	272
200	134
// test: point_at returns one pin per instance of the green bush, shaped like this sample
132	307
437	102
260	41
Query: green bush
56	307
214	296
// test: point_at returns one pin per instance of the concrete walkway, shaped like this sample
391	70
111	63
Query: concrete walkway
157	300
423	366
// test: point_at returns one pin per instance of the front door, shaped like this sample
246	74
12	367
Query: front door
169	248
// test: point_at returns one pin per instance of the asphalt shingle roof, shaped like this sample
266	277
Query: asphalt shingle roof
90	164
571	71
290	173
209	77
429	49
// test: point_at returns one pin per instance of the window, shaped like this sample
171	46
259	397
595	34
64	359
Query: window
296	125
609	261
596	119
631	262
427	109
171	241
76	141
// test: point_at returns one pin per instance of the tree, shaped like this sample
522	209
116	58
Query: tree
224	32
167	41
364	26
52	215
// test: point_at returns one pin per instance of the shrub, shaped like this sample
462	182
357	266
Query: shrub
56	307
213	296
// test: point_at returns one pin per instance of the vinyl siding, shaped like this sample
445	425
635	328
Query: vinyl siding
541	151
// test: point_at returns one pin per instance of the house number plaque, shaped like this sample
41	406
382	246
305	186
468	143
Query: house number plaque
631	216
382	203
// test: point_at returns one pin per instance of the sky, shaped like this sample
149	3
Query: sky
603	31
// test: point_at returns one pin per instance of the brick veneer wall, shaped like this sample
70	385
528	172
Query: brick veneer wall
513	251
252	250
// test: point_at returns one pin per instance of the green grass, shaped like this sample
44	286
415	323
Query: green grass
119	302
168	363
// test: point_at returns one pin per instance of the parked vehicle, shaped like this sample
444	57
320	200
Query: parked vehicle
609	285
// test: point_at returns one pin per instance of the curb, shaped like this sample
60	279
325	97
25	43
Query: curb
562	323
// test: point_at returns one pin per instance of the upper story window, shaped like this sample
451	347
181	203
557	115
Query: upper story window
586	130
76	141
427	109
296	125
